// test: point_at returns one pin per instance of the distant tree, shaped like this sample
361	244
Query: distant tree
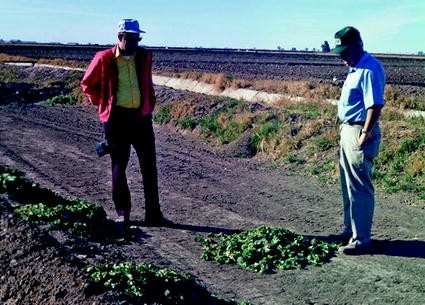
325	47
279	48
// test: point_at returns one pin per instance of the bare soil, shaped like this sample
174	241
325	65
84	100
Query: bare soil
406	73
202	190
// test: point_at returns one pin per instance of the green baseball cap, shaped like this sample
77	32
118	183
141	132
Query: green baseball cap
345	38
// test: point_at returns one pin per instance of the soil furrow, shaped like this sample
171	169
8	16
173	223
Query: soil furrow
204	192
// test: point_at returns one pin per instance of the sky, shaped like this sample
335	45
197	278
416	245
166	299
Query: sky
386	26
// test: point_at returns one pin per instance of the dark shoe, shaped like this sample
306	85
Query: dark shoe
159	222
123	217
343	238
356	248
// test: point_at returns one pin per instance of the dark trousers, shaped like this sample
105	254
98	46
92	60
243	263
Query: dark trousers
125	128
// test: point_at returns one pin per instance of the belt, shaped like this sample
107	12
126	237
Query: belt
354	123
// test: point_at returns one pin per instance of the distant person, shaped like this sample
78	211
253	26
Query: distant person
119	82
359	110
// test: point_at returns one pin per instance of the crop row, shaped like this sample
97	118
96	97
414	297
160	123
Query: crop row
137	283
261	250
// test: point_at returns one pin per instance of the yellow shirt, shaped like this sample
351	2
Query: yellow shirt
128	92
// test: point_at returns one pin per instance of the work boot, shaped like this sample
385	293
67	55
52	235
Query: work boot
159	221
343	237
123	217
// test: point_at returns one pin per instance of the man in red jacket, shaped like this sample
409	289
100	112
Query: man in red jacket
119	82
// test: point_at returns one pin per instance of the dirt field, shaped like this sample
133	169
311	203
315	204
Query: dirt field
254	64
203	191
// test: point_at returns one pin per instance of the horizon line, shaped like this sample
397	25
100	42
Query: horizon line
276	50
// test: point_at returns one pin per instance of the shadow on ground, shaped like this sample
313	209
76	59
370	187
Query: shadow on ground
403	248
193	228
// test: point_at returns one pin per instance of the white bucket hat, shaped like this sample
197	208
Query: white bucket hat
129	26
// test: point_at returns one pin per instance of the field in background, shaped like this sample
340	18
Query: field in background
401	69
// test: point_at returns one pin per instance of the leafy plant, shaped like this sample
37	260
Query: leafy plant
78	216
323	143
147	283
308	111
162	116
210	126
294	159
25	190
43	206
188	123
231	131
264	133
9	74
265	249
63	100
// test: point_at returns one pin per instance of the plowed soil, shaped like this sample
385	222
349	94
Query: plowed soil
201	190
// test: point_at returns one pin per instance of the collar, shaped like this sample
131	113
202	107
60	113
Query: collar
361	62
118	53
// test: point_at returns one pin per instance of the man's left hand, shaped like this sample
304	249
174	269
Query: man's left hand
363	138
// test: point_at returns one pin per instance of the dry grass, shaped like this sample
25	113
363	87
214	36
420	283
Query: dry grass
271	86
279	147
394	97
61	63
312	128
13	58
307	89
183	109
392	114
299	130
219	80
304	137
416	164
80	97
55	62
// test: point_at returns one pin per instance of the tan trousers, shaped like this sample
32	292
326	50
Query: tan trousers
355	164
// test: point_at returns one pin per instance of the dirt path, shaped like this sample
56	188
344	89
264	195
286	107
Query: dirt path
204	191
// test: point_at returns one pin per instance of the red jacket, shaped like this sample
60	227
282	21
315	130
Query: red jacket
101	78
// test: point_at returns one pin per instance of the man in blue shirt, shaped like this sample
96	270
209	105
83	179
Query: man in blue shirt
359	110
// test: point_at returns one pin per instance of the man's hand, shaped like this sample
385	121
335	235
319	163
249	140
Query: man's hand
363	138
372	116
